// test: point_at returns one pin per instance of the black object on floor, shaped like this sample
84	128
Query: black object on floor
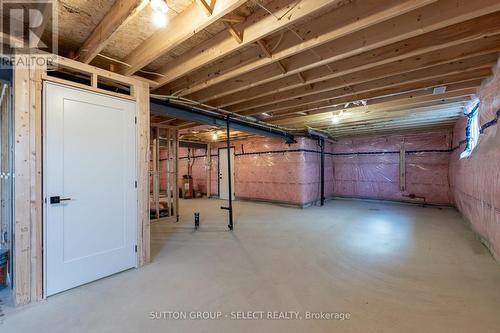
196	220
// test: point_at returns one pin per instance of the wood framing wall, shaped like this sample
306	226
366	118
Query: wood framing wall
28	252
163	170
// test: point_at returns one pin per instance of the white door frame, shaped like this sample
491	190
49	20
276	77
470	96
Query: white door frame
44	180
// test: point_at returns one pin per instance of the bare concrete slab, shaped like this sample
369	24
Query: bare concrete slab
390	267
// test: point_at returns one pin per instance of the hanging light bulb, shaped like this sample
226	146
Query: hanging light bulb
215	136
335	119
159	6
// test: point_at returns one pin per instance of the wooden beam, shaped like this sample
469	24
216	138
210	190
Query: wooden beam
433	74
324	106
430	18
471	84
402	68
353	118
351	69
449	118
257	26
411	100
406	129
182	27
237	35
345	19
119	14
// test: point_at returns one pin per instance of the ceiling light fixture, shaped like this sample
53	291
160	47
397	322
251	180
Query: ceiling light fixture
215	136
336	117
159	19
159	6
160	9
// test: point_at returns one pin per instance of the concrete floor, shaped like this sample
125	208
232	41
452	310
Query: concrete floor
392	267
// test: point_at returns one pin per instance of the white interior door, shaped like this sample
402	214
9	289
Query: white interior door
90	164
223	174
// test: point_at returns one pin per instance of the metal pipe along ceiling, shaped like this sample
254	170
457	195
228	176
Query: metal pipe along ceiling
198	115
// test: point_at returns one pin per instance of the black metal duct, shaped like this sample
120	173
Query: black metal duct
184	112
194	145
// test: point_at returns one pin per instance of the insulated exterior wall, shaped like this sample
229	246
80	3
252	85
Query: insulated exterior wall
368	167
265	169
475	180
271	170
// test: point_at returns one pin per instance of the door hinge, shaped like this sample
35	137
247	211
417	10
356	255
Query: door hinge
136	248
135	120
136	184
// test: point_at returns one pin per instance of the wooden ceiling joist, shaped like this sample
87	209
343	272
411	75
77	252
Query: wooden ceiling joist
119	14
397	30
182	27
342	21
421	78
449	118
350	118
393	89
425	97
257	26
463	60
391	130
389	96
385	58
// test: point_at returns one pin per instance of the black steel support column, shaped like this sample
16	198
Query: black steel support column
322	145
230	176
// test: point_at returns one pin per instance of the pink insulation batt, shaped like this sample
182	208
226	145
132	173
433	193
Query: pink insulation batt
369	166
475	180
270	169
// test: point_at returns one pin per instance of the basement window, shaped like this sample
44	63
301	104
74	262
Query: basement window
471	131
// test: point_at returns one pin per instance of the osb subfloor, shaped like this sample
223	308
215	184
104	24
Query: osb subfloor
393	267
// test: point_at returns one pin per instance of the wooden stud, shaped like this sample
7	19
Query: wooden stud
209	170
22	186
143	192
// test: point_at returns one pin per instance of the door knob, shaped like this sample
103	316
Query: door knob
57	199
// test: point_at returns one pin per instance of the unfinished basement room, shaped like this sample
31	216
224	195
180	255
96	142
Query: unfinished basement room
249	166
